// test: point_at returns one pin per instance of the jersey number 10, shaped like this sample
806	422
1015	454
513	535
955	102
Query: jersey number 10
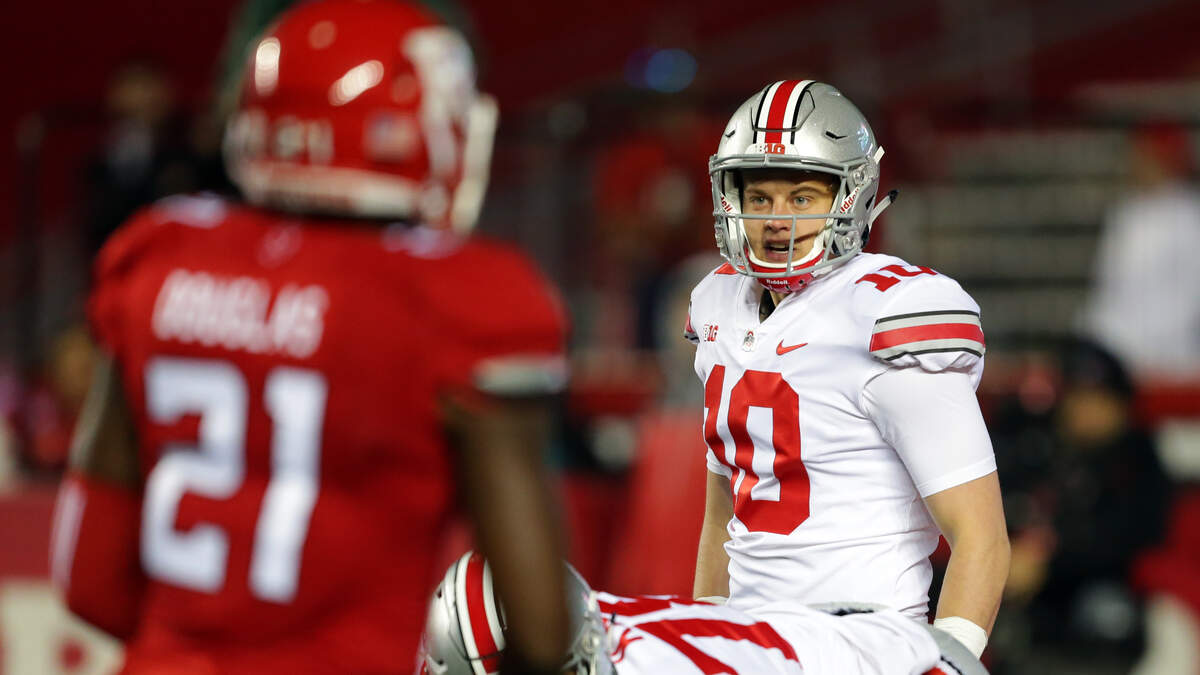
770	489
215	467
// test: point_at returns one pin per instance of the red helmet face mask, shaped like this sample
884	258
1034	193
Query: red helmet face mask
363	108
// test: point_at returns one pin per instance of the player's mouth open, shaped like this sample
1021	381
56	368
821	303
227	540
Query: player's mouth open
778	251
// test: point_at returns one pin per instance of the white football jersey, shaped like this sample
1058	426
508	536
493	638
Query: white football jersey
824	508
662	634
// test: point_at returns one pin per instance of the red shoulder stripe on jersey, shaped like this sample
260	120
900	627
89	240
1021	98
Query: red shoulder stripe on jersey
481	625
779	105
942	331
725	269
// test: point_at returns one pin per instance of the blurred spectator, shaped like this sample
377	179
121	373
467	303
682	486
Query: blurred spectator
1170	576
1084	495
150	151
1144	305
653	207
57	398
36	422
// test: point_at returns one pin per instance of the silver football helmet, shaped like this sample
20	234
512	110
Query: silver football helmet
805	126
464	630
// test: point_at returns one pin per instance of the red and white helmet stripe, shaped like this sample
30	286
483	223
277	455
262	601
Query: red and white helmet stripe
777	111
482	630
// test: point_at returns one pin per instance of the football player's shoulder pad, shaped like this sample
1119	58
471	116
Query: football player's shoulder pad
151	225
721	278
504	318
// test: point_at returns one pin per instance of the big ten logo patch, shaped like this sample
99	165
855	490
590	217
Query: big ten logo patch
709	334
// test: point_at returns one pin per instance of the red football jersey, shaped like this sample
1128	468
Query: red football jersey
284	375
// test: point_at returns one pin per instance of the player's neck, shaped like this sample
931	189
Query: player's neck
768	302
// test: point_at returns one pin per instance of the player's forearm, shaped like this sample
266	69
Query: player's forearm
712	563
517	531
975	579
94	553
507	495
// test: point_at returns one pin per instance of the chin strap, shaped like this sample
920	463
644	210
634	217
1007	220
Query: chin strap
883	204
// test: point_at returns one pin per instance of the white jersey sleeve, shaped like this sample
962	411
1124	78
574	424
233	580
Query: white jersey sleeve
929	322
929	332
934	423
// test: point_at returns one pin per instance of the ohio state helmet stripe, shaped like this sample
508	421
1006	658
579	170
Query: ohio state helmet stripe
778	110
483	646
794	106
464	614
494	612
759	121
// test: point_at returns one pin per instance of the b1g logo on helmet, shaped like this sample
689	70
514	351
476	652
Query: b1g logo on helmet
769	148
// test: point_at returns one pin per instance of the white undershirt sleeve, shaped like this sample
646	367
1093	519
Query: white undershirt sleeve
934	423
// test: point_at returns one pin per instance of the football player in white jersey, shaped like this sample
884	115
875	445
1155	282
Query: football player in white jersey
840	413
650	635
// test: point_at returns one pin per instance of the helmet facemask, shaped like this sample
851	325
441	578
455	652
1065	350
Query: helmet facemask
825	135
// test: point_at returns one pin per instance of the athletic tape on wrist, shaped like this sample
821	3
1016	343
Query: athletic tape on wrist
965	631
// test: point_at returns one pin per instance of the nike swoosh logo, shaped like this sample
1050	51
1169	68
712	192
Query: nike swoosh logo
730	134
781	350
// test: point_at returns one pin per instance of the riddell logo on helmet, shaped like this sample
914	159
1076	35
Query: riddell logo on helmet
850	199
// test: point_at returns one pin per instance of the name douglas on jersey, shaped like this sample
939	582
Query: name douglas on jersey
237	313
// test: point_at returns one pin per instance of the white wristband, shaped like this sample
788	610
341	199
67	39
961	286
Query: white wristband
713	599
965	631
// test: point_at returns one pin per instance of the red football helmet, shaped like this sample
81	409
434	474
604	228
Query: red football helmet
365	108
